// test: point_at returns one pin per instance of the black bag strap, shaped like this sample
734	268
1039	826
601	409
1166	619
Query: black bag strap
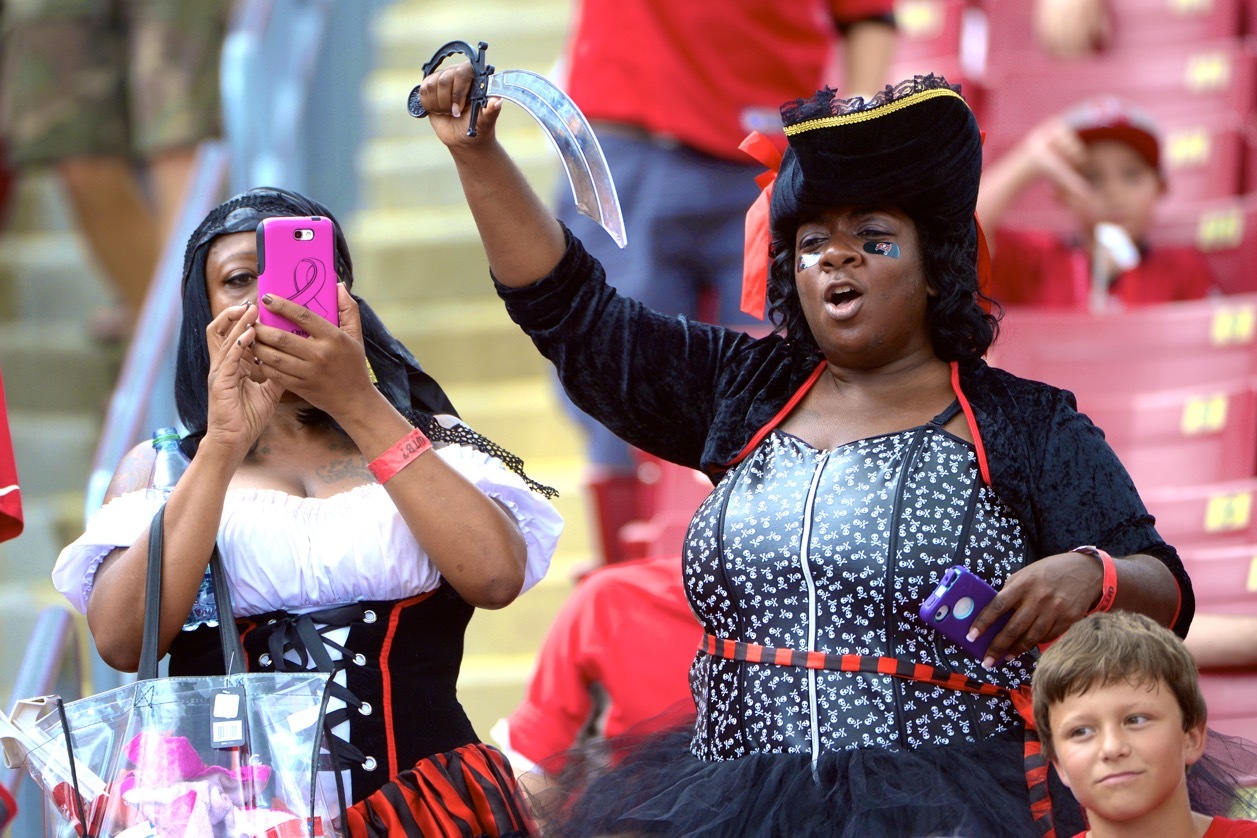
233	650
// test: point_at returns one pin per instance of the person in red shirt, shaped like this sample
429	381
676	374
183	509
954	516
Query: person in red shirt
672	87
1120	714
1103	160
615	659
10	494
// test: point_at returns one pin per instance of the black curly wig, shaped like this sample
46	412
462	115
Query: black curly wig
915	147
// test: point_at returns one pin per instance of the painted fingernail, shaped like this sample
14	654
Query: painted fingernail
266	298
972	635
988	663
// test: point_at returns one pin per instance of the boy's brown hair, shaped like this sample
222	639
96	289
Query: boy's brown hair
1106	648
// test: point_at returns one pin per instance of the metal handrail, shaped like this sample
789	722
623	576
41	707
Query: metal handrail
139	401
52	664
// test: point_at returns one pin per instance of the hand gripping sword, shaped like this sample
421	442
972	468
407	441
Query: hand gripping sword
569	131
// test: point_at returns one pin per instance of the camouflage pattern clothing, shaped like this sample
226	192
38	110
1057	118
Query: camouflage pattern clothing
89	77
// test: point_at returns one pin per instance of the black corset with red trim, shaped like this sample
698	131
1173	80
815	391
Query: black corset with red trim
400	661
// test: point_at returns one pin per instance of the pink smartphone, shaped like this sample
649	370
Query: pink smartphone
296	261
951	610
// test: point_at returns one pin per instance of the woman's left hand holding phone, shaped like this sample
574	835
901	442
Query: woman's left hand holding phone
328	369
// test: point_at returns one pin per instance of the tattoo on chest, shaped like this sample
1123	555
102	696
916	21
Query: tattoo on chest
352	468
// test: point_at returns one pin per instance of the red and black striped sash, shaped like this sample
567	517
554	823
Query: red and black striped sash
1033	759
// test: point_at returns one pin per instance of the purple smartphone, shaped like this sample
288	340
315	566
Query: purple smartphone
296	260
951	609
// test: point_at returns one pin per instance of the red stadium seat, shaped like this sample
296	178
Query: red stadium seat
1206	514
1137	25
1224	578
1152	348
671	495
1232	701
928	28
1173	84
1225	230
1188	435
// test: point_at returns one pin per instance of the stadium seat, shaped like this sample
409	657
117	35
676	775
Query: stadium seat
928	28
1137	25
1152	348
1232	701
1225	230
1206	514
1173	84
670	496
1186	435
1224	578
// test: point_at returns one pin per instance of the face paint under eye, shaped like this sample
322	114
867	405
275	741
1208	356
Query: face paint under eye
809	260
882	248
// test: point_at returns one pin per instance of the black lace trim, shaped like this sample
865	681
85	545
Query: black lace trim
463	435
827	102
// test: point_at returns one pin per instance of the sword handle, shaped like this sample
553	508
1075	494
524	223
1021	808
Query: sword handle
479	94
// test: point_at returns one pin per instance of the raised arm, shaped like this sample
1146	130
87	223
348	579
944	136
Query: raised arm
1051	150
521	237
867	50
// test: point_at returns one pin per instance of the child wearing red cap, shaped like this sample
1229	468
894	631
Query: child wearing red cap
1103	160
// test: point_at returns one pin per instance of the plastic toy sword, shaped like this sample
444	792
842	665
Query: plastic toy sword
569	131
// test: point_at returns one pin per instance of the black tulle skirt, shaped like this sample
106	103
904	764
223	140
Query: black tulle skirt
657	787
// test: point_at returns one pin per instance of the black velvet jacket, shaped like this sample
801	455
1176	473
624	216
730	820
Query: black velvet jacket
697	394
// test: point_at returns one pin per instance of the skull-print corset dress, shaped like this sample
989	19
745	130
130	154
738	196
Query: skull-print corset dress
834	551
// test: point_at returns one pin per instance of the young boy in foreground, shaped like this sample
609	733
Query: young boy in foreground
1118	705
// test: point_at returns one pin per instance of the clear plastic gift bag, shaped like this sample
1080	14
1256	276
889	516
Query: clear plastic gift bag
214	756
221	756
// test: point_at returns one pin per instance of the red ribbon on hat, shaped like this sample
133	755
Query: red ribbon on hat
758	237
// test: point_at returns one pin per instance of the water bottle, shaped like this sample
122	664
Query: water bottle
168	467
170	463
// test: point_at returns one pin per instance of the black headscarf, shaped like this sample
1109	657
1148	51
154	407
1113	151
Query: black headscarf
398	375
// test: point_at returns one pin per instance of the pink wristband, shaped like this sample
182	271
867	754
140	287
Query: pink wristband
405	450
1108	586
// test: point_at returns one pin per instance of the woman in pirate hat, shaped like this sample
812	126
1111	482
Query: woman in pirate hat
857	453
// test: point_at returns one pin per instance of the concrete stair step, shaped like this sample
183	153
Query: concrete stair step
421	254
20	605
38	205
406	34
28	559
47	276
56	366
415	169
471	342
53	449
521	414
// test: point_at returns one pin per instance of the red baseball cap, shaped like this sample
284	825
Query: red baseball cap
1110	118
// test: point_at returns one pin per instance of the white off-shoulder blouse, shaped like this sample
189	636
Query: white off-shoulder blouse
292	553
